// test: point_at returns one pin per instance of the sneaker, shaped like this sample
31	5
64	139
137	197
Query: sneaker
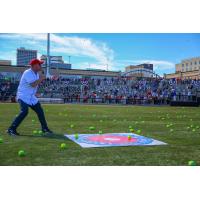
12	132
47	132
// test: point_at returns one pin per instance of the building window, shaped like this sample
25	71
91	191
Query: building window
191	63
186	64
195	62
182	65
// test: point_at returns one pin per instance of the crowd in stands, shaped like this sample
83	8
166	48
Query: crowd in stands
7	89
111	90
120	90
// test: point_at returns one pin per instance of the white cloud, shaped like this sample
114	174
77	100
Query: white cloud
74	46
87	65
99	52
8	56
160	66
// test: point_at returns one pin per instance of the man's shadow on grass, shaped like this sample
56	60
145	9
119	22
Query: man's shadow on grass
53	136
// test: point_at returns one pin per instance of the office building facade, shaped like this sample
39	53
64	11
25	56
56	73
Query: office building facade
25	55
56	62
186	65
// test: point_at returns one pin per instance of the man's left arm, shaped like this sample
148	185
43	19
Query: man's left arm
37	82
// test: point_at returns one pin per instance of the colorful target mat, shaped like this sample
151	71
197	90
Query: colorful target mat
113	140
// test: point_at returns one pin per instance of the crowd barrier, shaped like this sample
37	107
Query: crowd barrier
129	101
176	100
51	100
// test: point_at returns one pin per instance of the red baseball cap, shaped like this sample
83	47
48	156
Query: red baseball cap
36	61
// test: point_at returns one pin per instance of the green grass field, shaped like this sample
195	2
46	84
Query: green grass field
183	137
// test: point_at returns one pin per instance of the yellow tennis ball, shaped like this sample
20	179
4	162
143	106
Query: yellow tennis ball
63	146
129	137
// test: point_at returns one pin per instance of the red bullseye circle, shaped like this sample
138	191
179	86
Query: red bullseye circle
111	139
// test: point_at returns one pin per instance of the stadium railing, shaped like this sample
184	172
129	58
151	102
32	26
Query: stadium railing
127	101
124	101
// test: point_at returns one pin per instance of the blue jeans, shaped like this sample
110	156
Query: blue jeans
24	112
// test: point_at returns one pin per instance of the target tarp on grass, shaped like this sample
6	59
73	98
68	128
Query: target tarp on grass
113	140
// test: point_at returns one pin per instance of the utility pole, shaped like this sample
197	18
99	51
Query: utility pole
107	64
48	56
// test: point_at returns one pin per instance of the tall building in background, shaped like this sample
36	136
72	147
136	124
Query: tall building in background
190	64
56	62
25	55
186	69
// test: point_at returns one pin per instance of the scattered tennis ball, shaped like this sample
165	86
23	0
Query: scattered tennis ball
76	136
193	130
192	163
1	140
100	132
138	131
40	132
132	130
167	125
33	120
72	126
130	127
21	153
188	127
101	120
35	132
197	127
63	146
129	137
91	128
171	130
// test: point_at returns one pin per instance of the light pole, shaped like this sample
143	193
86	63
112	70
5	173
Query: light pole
48	56
107	64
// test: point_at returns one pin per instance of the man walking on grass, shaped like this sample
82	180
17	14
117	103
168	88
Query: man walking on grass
26	97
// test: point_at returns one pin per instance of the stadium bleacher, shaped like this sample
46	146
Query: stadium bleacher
119	90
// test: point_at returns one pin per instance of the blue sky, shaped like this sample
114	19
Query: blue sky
116	50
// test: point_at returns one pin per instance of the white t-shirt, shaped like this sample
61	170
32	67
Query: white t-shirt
25	91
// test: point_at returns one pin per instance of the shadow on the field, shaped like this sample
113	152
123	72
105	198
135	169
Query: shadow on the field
54	136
